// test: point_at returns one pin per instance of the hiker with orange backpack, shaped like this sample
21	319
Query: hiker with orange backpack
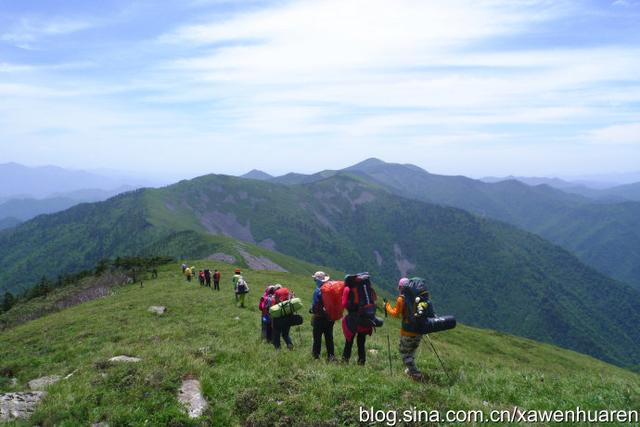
358	298
320	322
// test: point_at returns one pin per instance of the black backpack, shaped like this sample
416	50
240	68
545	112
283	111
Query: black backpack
419	316
362	299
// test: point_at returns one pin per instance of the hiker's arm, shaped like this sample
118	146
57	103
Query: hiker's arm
397	311
316	297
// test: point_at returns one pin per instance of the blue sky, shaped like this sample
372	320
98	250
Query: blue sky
185	88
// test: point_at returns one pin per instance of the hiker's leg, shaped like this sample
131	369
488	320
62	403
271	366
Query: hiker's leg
285	335
317	337
242	300
269	331
276	333
408	347
362	353
328	339
346	353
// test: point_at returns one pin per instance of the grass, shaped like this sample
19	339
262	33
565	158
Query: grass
247	382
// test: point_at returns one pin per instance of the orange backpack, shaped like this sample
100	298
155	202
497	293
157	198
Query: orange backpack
332	299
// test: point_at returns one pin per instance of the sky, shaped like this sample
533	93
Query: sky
180	89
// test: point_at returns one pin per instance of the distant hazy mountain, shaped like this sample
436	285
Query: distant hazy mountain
8	222
257	174
44	181
602	192
23	209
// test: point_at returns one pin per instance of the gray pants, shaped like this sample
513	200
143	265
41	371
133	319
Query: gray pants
408	348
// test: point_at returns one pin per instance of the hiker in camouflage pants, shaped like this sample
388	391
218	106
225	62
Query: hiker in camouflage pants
408	348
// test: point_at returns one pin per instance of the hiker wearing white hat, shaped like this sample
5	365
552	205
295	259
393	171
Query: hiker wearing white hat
321	324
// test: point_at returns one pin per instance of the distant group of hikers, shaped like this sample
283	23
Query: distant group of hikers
204	276
279	309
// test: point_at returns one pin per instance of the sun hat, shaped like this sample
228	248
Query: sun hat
321	276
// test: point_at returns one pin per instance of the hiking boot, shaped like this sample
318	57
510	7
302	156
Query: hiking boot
414	375
315	356
331	358
361	362
290	346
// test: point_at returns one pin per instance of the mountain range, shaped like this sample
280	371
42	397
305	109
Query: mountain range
488	273
605	236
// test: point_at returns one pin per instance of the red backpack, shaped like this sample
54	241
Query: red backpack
281	294
332	299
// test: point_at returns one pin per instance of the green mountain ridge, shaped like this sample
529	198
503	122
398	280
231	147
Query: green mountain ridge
487	273
606	236
245	382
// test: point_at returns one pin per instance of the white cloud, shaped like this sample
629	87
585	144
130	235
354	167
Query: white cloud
619	134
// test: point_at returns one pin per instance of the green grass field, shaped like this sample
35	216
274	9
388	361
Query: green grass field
247	382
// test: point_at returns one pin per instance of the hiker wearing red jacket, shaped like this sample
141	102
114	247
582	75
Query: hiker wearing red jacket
266	301
354	325
216	280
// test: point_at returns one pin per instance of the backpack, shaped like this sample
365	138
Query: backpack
331	293
419	316
265	303
242	287
281	294
362	299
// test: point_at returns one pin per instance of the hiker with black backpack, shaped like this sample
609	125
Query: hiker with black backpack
234	279
358	298
320	322
207	277
415	308
242	289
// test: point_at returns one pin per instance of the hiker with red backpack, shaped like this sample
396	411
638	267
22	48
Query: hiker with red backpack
201	277
282	324
266	301
358	298
321	323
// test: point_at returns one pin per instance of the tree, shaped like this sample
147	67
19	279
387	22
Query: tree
8	301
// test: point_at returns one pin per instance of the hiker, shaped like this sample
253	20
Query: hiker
187	273
154	273
242	289
358	298
320	323
216	280
207	277
237	274
409	338
281	325
184	267
266	301
201	277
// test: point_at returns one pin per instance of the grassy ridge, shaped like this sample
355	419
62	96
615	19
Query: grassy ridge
248	383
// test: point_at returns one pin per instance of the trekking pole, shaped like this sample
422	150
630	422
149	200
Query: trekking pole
388	340
438	356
